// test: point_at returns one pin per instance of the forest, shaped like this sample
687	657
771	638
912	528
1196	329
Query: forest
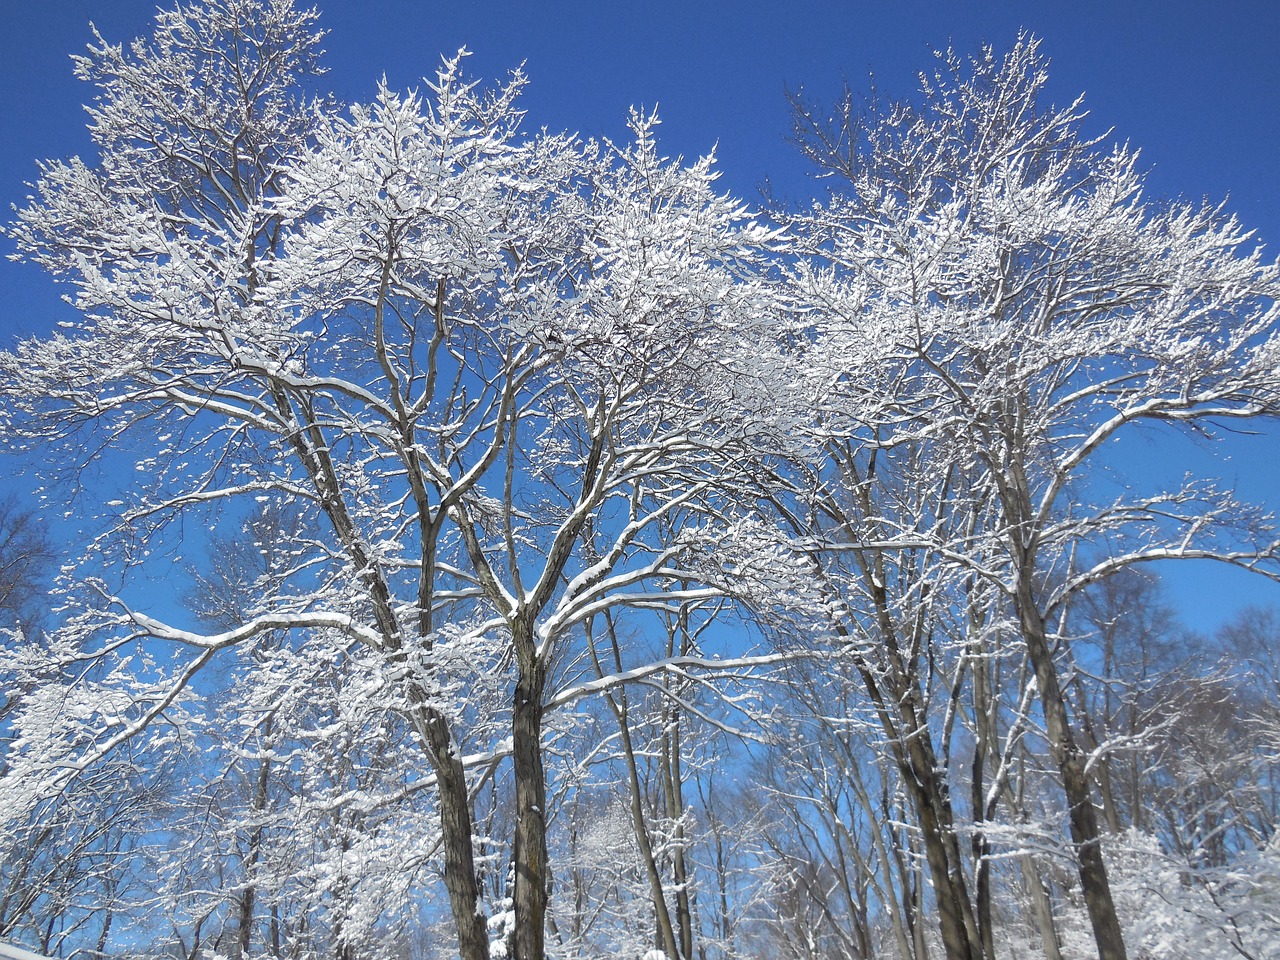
526	550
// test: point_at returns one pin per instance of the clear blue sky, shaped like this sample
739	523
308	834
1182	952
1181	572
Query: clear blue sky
1193	85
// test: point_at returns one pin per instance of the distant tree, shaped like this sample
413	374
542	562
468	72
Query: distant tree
1251	642
26	561
1127	646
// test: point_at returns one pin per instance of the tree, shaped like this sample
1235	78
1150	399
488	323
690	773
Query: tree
67	852
487	366
26	556
295	826
1029	310
893	611
838	844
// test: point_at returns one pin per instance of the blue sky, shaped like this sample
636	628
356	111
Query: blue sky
1194	86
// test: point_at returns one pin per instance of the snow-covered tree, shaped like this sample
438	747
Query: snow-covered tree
484	365
26	558
992	293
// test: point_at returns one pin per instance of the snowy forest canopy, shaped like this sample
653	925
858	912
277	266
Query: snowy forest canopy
591	565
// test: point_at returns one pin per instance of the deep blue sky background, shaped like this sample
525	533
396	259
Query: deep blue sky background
1194	85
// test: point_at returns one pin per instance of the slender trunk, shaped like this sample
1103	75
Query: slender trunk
1102	777
245	920
919	770
673	787
982	891
892	862
902	714
666	930
919	941
248	897
985	724
722	889
531	874
456	836
196	941
954	912
901	854
1041	909
579	886
918	767
1102	764
1020	513
1071	762
105	933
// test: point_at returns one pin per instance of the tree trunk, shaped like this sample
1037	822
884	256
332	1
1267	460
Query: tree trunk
982	893
456	836
955	916
530	854
673	794
105	933
662	916
1087	837
918	767
918	939
902	713
1041	909
1085	834
986	736
248	897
